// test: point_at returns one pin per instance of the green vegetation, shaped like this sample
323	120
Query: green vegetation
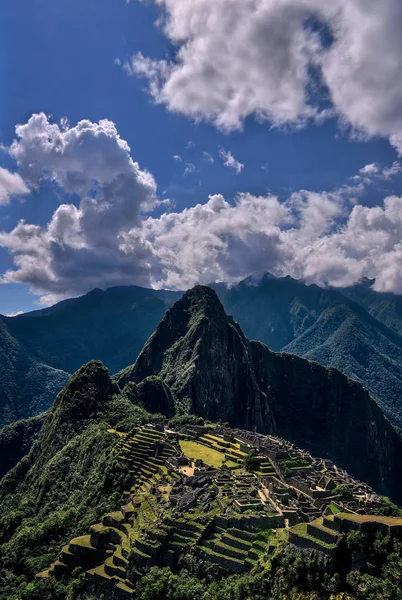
180	421
68	480
27	387
251	462
344	492
197	451
390	509
16	441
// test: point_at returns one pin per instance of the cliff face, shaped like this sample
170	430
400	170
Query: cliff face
354	330
214	371
204	357
331	415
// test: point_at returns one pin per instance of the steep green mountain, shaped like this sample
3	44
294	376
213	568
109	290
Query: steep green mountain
16	441
70	477
385	307
27	385
355	330
111	326
214	371
323	325
203	356
38	350
100	509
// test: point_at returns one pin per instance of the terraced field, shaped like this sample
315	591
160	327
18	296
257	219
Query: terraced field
224	516
196	451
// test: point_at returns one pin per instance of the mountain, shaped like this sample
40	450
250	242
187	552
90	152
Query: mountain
214	371
355	330
203	357
98	507
27	385
16	441
71	476
383	306
327	326
39	350
111	326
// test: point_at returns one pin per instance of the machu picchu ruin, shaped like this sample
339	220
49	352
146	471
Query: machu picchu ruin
226	496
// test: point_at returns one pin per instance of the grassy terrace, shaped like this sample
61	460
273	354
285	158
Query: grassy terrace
371	519
196	451
301	531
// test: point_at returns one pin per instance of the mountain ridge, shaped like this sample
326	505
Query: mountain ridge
325	325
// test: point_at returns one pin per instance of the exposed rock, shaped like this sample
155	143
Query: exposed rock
203	356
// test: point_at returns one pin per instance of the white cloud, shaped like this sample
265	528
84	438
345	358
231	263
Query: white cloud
370	169
230	161
177	158
11	184
105	239
207	156
373	171
80	246
16	314
392	171
241	58
190	168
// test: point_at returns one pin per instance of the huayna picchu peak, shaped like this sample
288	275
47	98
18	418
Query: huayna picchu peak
211	465
214	371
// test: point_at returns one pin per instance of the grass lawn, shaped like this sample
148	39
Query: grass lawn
195	450
334	509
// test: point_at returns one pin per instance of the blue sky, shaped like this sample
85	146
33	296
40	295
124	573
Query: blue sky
60	59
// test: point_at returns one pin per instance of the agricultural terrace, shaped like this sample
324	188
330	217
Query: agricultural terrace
196	451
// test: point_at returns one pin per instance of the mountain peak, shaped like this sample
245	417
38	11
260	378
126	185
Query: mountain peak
84	398
203	299
203	357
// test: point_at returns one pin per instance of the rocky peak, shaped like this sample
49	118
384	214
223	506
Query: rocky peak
203	356
84	398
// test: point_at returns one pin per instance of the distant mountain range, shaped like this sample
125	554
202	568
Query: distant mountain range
355	330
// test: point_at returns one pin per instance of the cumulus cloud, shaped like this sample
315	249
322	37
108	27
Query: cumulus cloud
370	169
177	158
319	237
230	161
101	235
241	58
11	184
80	246
373	171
